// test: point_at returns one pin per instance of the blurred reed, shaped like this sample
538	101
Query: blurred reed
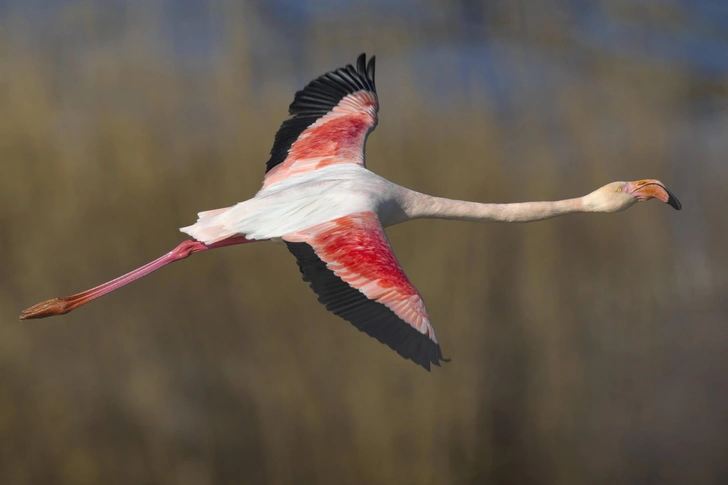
585	349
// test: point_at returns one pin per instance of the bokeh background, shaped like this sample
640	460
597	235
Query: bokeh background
587	349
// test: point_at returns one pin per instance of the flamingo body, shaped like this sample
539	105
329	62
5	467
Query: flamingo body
319	199
299	202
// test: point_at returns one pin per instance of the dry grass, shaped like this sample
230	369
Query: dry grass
585	349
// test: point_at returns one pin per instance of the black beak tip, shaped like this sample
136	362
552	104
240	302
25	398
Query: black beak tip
672	201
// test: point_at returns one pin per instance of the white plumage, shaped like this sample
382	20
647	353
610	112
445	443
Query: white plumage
296	203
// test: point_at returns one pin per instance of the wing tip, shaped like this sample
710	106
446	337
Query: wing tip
430	354
338	82
427	364
367	69
361	62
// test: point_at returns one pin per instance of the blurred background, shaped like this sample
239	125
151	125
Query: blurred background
586	349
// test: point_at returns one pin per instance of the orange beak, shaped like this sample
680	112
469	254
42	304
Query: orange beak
652	189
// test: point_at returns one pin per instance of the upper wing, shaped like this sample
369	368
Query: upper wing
332	117
350	265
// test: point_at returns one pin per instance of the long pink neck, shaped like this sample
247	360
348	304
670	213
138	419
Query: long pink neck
424	206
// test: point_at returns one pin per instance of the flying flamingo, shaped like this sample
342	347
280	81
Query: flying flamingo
319	199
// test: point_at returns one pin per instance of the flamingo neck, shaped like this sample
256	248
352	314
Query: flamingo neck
419	206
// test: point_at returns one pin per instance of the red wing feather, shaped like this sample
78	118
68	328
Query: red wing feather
331	118
350	265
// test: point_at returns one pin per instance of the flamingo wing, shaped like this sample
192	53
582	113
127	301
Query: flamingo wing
351	267
331	118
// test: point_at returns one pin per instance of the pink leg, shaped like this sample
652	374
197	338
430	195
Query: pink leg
60	306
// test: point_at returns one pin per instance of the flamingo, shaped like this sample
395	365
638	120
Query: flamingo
321	202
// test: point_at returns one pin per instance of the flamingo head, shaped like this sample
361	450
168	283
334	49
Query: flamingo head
651	189
618	196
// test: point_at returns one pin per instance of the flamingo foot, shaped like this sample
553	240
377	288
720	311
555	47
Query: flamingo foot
48	308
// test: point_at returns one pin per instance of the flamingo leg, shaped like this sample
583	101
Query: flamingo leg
63	305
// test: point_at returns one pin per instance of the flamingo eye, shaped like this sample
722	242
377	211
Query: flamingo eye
619	189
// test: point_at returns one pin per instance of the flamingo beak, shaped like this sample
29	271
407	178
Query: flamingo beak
652	189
